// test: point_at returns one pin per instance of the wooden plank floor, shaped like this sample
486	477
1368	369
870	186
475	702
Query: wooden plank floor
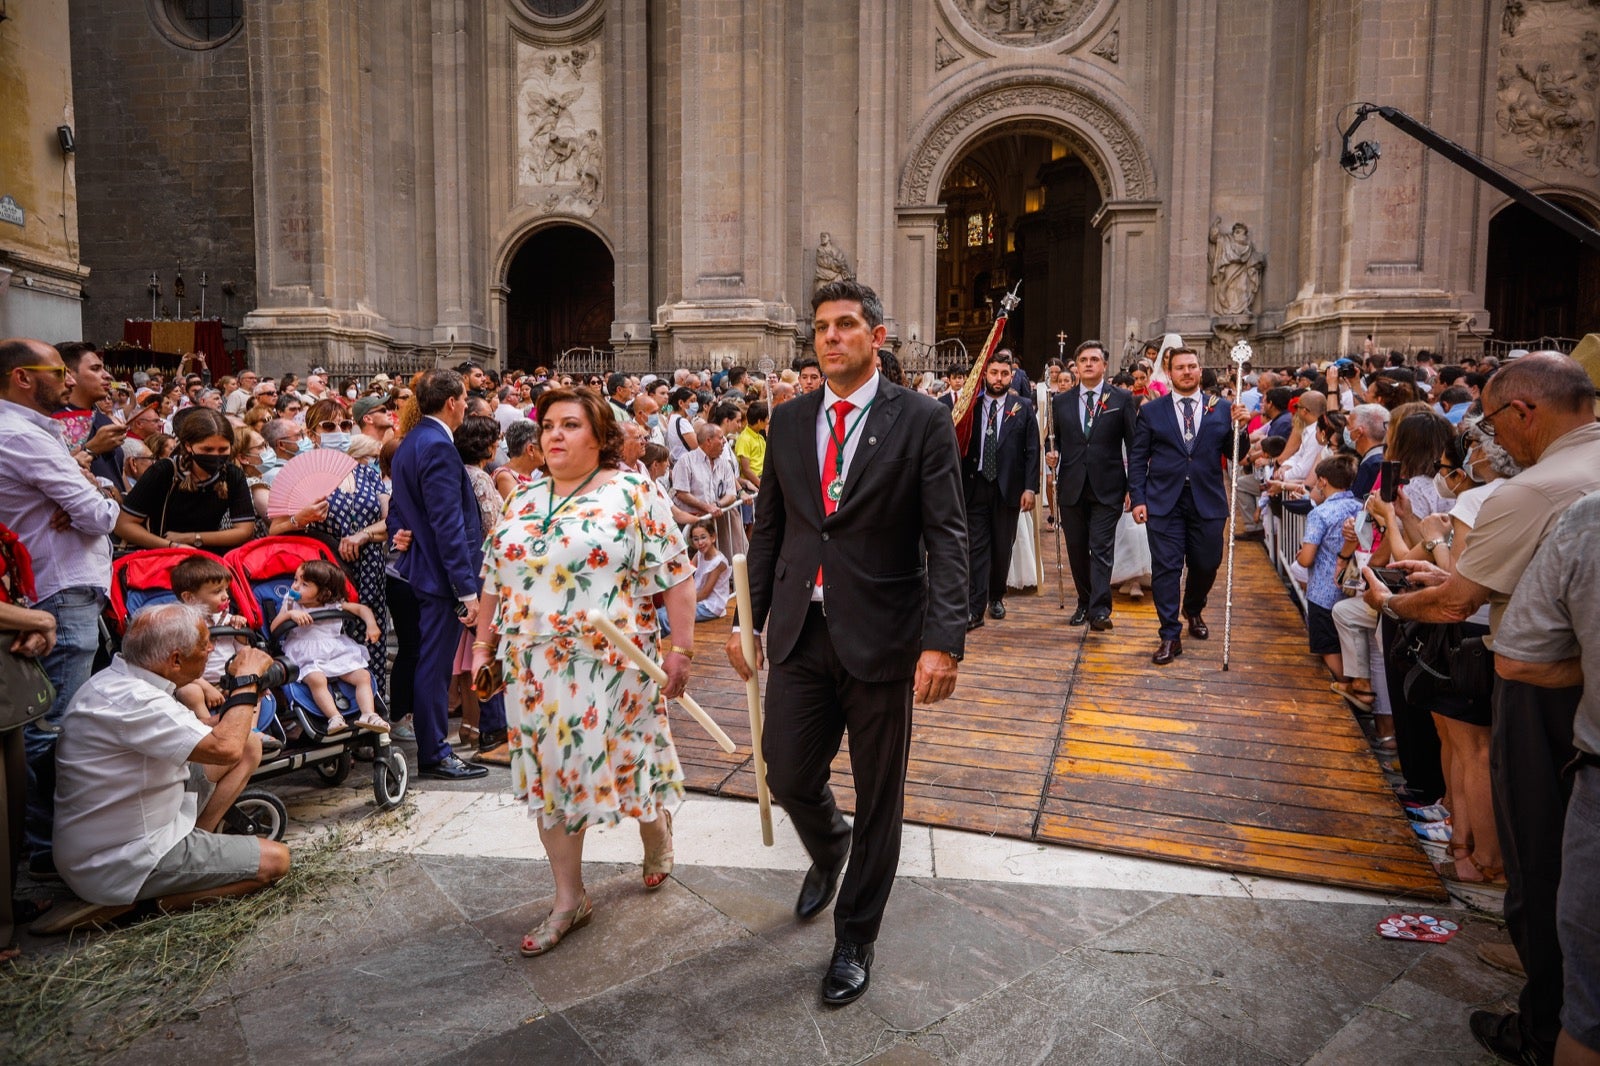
1062	735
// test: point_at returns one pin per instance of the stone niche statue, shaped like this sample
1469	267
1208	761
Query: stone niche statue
1236	268
831	264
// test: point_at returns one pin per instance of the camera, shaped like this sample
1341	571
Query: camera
280	672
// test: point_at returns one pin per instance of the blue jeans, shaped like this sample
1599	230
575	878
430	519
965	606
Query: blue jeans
69	664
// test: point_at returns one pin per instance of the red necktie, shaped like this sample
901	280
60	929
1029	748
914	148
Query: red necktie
833	462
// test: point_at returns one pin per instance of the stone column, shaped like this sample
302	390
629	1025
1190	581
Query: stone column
878	145
312	283
733	122
1194	51
462	327
917	265
1129	236
628	148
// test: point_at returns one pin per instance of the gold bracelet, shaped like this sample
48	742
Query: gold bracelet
687	653
482	644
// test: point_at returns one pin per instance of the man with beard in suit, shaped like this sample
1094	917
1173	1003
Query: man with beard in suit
997	477
1094	423
1175	485
858	570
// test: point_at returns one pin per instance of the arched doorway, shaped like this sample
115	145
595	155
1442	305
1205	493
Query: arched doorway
1541	282
1018	207
561	294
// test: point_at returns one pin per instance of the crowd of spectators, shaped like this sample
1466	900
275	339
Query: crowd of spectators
1438	509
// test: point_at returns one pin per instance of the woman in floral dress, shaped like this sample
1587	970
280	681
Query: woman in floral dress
589	738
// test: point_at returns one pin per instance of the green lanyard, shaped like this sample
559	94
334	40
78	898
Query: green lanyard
839	445
539	544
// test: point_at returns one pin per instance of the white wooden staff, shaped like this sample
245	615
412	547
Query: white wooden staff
653	670
1240	355
752	688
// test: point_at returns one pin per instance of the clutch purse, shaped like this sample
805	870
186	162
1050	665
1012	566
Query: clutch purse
490	680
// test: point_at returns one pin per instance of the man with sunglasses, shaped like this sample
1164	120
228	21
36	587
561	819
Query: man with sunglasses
374	417
65	522
238	401
264	394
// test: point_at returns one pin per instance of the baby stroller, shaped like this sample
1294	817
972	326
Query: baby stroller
263	572
142	579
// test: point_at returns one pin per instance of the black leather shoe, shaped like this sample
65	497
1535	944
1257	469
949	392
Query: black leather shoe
974	623
451	768
997	609
1198	628
816	891
1079	617
1501	1035
849	973
1100	623
1168	651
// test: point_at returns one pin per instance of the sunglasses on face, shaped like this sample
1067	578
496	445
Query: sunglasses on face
336	427
58	371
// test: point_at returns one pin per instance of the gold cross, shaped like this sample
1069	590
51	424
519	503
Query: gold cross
1061	342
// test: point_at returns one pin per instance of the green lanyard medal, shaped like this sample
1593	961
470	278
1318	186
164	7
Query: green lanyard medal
836	486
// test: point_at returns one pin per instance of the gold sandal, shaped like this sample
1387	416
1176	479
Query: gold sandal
658	864
550	932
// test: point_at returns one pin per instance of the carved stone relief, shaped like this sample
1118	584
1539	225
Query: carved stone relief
1134	176
560	144
1236	268
943	52
831	264
1024	23
1109	47
1549	74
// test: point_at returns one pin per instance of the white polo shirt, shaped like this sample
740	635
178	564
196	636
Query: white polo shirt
122	771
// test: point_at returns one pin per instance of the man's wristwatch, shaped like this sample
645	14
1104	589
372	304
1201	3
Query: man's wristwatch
235	682
1388	609
1429	545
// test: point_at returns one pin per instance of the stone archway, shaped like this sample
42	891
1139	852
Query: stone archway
1540	281
559	293
1093	127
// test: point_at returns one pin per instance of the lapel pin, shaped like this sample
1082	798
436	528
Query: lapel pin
872	440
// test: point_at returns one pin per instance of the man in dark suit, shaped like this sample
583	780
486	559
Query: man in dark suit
1175	485
858	575
433	499
1094	424
997	478
1365	432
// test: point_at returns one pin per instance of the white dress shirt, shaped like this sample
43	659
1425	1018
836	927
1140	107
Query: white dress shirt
122	774
38	477
858	404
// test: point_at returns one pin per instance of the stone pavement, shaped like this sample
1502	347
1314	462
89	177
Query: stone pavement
993	952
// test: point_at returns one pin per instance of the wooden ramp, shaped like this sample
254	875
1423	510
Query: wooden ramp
1061	735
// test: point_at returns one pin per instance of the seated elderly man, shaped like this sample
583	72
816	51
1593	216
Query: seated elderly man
142	784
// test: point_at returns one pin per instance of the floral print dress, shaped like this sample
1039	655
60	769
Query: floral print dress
588	731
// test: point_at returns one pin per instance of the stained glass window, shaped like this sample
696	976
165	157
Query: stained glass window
942	235
975	229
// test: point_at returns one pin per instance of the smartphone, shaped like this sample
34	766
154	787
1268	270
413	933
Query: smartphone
1392	577
1390	473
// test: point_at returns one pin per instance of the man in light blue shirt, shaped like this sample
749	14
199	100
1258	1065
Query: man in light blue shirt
64	520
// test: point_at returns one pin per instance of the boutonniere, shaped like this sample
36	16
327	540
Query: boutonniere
1210	403
1014	409
1101	406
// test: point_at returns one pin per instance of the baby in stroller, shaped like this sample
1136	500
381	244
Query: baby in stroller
202	581
321	650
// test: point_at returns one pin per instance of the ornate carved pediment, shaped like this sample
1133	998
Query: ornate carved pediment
560	129
1549	83
1053	110
1025	23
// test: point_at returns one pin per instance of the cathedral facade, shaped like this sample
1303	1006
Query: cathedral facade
664	183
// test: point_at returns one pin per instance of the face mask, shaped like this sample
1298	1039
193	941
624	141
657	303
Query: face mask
270	461
339	442
211	464
1349	441
694	408
1441	485
352	393
655	421
304	445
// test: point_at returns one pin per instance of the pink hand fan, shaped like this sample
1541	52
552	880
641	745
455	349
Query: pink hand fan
307	480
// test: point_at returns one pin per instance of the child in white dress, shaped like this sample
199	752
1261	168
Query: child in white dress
321	650
711	573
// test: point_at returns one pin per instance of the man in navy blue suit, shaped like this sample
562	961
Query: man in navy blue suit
1176	488
997	475
433	499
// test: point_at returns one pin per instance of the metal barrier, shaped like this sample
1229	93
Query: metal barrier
590	360
937	357
1499	348
1287	530
398	365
